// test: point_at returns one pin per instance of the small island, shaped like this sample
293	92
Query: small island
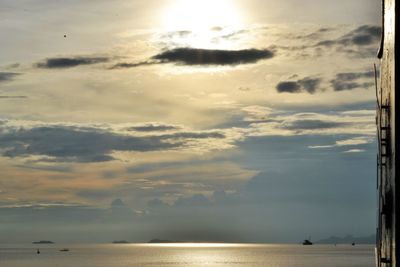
43	242
158	241
120	242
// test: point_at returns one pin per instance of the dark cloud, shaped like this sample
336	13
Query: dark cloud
310	125
205	57
344	86
13	96
73	144
153	128
69	62
194	135
309	85
351	76
195	56
350	80
124	65
361	36
288	87
7	76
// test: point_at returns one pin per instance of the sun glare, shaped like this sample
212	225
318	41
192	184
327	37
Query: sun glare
197	245
202	19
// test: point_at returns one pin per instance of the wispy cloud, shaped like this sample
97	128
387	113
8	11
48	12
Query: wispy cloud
69	62
13	97
7	76
352	80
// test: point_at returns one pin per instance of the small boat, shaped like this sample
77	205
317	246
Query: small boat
37	251
353	244
64	250
307	242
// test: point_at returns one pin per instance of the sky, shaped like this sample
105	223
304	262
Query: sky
212	121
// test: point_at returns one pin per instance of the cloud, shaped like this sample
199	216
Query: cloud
13	96
288	87
354	151
351	80
80	143
311	124
205	57
132	65
351	142
63	143
307	84
153	128
69	62
360	42
279	123
342	81
351	76
7	76
361	36
195	56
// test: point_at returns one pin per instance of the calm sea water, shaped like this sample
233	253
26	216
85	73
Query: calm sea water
124	255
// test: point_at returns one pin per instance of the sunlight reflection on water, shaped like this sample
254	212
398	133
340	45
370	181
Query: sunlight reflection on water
184	254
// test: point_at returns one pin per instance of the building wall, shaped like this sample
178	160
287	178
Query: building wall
386	121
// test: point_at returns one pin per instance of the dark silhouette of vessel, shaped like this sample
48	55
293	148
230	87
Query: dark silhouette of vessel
307	242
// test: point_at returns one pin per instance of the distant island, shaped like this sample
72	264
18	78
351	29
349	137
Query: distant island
120	242
348	239
155	241
43	242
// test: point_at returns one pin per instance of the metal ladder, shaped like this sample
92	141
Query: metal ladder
384	231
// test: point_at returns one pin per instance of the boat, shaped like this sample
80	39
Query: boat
64	250
307	242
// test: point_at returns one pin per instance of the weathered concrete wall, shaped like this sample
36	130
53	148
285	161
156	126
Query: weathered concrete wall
386	120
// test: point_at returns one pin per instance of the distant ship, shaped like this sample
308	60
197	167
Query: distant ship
307	242
64	250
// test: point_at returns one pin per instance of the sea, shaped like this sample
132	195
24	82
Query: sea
182	254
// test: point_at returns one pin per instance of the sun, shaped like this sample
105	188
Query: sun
202	19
